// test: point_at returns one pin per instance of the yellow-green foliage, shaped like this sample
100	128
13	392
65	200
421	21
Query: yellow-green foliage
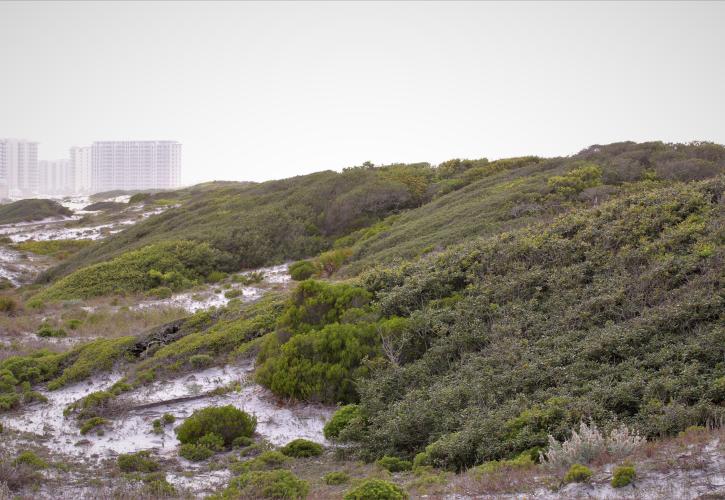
59	249
336	477
93	357
31	459
394	464
377	489
175	264
140	461
623	476
578	473
281	484
576	180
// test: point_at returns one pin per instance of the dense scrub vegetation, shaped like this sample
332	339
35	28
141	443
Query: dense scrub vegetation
174	265
612	313
31	210
490	197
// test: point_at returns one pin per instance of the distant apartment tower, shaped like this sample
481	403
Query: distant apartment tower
131	165
56	177
80	163
19	166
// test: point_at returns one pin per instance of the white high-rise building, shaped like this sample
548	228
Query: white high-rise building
80	162
131	165
19	166
56	177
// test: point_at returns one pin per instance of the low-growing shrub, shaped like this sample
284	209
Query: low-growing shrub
140	461
234	293
199	361
8	305
623	476
394	464
578	473
339	420
302	270
588	443
376	489
336	477
47	330
30	459
267	460
241	442
194	452
300	448
95	423
226	421
267	484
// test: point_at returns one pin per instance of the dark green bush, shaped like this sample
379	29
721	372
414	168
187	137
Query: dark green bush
302	448
47	330
578	473
140	461
212	440
340	420
226	421
195	452
302	270
623	476
267	484
93	424
270	459
377	489
394	464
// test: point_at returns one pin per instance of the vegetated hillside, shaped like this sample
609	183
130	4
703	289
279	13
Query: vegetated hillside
31	210
492	197
613	313
269	222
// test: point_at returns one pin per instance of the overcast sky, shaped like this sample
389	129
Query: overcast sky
258	91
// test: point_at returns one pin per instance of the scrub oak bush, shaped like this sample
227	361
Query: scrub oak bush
302	448
227	422
378	489
336	477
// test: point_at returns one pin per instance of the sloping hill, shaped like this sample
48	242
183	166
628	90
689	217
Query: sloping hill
31	210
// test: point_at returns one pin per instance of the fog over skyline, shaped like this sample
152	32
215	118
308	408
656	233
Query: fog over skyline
258	91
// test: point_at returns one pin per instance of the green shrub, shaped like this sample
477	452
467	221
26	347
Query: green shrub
73	324
302	448
575	181
241	442
212	440
168	418
340	420
302	270
232	294
9	401
623	476
175	265
200	361
270	459
394	464
140	461
159	487
30	459
47	330
195	452
336	477
578	473
376	489
226	421
215	276
160	292
267	484
95	423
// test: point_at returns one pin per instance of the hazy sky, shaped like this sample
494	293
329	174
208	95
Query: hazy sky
257	91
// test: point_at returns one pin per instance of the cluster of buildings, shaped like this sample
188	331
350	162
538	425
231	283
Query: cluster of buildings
102	166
